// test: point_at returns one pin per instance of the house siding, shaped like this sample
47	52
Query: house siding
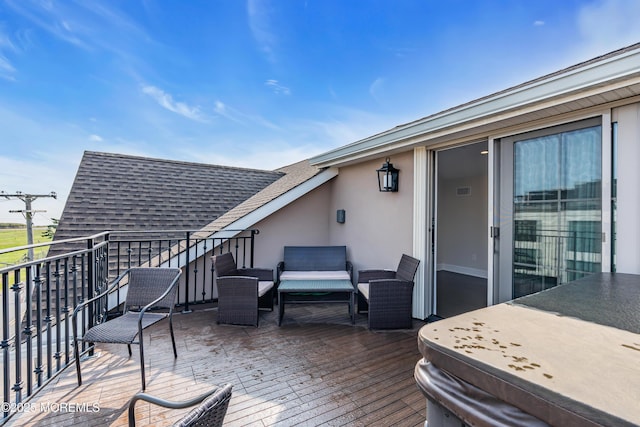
628	200
305	222
379	226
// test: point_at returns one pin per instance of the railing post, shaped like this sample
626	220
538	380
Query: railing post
186	276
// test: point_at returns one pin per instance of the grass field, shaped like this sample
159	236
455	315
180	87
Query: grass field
11	238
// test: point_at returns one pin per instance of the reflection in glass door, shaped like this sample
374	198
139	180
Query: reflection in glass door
557	217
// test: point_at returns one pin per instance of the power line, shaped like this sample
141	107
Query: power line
28	212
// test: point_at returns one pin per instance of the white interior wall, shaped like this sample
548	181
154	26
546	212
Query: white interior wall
462	226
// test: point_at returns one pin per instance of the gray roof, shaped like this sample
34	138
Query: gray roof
121	192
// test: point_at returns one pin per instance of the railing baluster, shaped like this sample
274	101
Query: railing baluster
17	340
65	311
57	355
186	270
38	295
213	245
90	285
6	356
204	270
28	329
48	320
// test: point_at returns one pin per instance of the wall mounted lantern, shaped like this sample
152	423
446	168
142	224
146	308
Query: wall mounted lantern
388	177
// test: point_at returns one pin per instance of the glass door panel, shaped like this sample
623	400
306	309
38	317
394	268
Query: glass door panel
556	209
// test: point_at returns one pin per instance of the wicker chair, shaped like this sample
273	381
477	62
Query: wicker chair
211	411
242	292
148	288
387	295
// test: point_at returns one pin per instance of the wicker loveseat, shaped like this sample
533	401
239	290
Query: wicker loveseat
315	263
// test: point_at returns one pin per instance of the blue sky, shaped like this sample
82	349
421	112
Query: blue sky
260	83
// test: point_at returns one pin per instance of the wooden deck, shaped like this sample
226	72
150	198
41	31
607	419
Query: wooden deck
316	369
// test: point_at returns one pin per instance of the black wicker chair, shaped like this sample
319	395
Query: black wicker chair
211	411
148	288
242	292
387	295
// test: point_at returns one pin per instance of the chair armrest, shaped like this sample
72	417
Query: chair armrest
74	316
157	300
389	289
365	276
238	288
263	274
111	287
225	394
279	270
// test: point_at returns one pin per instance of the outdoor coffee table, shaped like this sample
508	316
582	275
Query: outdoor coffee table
314	292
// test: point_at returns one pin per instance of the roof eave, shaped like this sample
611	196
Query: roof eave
598	74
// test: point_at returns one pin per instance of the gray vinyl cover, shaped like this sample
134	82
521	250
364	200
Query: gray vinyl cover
467	402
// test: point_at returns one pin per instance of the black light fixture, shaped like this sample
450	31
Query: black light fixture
388	177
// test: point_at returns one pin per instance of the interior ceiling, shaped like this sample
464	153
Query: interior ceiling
463	161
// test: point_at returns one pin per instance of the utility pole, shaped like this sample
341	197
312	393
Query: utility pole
28	212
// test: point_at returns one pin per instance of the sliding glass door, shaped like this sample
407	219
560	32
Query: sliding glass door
554	228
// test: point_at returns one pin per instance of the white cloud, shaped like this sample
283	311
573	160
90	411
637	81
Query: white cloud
538	23
277	88
7	70
608	25
244	119
166	101
261	28
95	138
272	155
49	17
221	109
86	25
36	176
376	87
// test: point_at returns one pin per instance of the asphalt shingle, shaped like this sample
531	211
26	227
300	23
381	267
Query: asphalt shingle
121	192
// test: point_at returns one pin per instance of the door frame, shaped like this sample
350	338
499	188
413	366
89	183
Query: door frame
433	185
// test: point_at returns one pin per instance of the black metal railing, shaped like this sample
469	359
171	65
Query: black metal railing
545	259
39	296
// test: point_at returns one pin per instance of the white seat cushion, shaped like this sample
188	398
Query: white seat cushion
315	275
264	286
363	288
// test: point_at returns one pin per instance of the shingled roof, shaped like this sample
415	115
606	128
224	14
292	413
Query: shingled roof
121	192
293	176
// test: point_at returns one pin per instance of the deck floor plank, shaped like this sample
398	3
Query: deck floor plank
316	369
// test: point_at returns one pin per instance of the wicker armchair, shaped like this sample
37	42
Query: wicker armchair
148	288
387	295
242	292
211	411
